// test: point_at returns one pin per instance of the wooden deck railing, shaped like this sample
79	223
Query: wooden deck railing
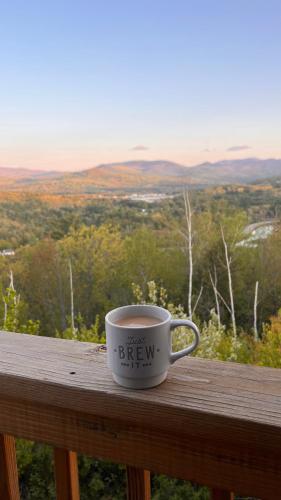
215	423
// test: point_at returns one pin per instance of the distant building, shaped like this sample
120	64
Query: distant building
149	197
8	252
257	232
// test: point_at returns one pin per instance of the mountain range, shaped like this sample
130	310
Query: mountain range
139	175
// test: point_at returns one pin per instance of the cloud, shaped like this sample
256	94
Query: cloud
139	147
243	147
206	150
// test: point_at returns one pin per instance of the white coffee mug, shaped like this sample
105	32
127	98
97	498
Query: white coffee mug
139	357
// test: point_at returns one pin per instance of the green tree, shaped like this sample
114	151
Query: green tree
97	257
42	279
14	313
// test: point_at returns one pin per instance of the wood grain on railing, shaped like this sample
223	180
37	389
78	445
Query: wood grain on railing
9	485
138	484
215	423
66	474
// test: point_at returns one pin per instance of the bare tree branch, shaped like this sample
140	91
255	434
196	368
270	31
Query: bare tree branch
216	291
224	301
197	301
183	234
214	282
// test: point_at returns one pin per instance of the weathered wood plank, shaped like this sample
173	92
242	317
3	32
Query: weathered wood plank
217	494
138	484
245	470
66	474
74	375
205	423
9	485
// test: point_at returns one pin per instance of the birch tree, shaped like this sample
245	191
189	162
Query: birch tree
11	298
230	286
255	311
188	217
188	236
11	286
72	323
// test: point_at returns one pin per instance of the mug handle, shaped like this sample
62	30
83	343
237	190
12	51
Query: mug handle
174	356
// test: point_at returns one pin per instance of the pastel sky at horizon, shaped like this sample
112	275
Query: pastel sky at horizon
88	82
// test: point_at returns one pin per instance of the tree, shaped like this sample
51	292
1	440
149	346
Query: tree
73	329
14	319
188	237
255	311
230	286
97	264
214	282
188	216
42	278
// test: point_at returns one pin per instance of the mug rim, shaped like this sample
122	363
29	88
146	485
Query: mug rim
143	327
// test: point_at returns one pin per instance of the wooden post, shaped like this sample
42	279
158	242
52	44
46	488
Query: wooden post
9	484
218	494
138	484
66	474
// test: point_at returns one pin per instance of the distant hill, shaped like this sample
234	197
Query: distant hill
226	171
158	167
10	178
23	173
237	171
140	175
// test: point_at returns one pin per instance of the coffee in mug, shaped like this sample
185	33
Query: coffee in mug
139	345
138	321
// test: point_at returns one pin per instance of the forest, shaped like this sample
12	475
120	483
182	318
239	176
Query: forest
188	253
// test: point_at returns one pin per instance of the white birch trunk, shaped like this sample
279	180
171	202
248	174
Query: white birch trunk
228	263
71	300
188	215
5	312
256	334
11	280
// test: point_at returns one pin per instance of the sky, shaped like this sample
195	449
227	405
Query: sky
90	82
